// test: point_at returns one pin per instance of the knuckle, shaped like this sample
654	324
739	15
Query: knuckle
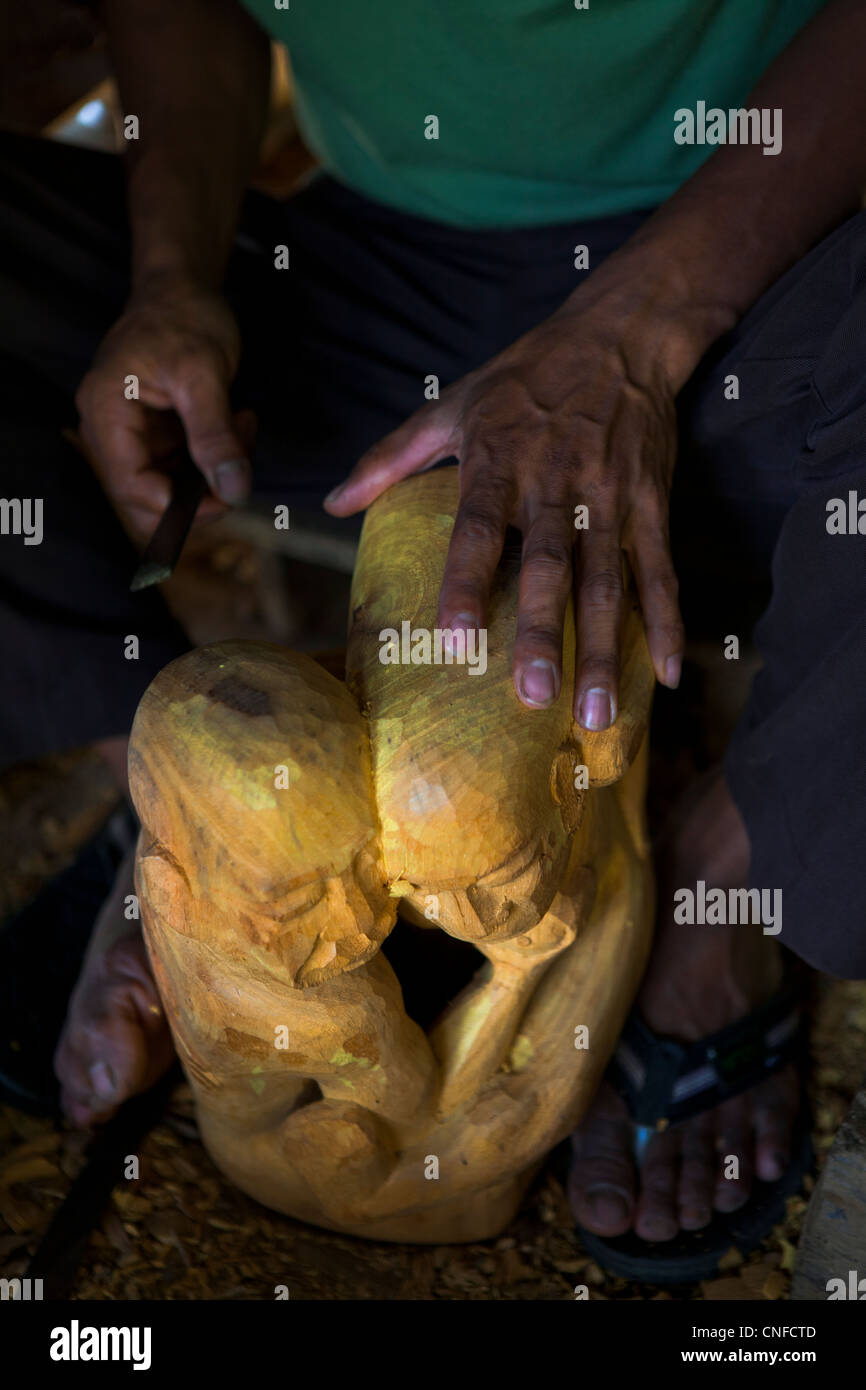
479	526
663	586
548	554
127	497
539	634
376	454
674	633
213	437
600	665
654	507
196	368
601	588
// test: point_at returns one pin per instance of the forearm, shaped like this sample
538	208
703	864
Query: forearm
196	73
707	254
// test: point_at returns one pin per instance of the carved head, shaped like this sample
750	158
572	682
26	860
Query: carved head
250	773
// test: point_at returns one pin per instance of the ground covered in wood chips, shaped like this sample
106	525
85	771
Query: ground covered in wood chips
181	1231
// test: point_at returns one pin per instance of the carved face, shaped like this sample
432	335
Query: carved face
251	777
305	932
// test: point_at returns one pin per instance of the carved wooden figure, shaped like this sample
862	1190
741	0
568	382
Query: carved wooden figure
289	820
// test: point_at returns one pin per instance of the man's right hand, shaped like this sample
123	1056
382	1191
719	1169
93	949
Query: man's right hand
181	342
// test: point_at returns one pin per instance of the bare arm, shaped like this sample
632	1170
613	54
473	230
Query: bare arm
196	74
745	217
581	409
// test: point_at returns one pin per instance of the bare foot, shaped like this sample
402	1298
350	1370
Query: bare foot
700	978
115	1042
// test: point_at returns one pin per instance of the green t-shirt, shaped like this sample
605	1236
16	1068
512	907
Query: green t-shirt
546	112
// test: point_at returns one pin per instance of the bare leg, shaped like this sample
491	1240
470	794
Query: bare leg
700	978
115	1041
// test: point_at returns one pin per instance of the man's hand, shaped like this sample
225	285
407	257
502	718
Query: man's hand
580	411
181	343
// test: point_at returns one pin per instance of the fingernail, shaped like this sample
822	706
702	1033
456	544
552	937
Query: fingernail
461	622
538	682
596	710
231	481
336	492
607	1206
102	1080
672	672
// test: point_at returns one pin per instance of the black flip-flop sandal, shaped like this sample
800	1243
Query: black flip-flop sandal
42	949
664	1082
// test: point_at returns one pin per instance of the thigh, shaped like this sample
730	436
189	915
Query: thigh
787	461
377	310
748	424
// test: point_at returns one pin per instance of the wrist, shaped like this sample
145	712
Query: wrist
167	279
660	304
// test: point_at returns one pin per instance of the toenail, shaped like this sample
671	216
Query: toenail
607	1205
102	1080
658	1229
695	1218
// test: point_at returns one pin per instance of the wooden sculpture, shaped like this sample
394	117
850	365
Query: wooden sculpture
290	821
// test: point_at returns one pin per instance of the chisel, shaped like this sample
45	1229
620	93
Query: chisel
166	543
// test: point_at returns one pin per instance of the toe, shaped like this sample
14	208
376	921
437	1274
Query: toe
697	1173
657	1216
734	1154
115	1042
601	1181
775	1104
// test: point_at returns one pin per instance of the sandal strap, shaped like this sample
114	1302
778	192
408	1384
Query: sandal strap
664	1082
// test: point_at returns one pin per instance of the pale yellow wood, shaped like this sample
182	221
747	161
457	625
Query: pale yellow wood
432	789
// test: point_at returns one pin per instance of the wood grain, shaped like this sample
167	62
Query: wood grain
422	787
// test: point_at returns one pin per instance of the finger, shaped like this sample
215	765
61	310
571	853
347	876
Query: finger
422	440
598	611
657	587
546	578
201	399
474	549
114	439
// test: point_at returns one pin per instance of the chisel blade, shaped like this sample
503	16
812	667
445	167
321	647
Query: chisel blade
165	545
